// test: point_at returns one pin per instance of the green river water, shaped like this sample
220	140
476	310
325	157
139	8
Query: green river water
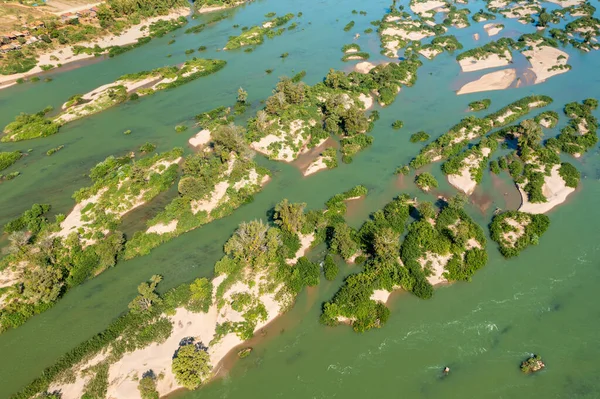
542	302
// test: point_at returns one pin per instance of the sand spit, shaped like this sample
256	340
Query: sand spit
498	80
364	67
426	6
492	60
367	101
381	296
554	189
493	29
305	243
65	55
546	62
464	181
200	139
316	166
162	228
436	264
124	374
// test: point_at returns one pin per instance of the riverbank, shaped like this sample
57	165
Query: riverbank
63	56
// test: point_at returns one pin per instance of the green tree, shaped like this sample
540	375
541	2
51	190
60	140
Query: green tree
386	244
330	268
201	295
147	386
253	242
544	19
147	295
290	217
458	201
42	284
532	134
342	241
191	366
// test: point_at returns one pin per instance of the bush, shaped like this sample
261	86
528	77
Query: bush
349	26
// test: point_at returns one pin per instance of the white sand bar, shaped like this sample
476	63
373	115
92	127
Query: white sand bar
554	189
498	80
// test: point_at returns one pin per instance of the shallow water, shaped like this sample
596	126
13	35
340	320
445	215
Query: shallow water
543	302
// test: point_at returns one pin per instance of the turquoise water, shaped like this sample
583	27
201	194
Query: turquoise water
544	302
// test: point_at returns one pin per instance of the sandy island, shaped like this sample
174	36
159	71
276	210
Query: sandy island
491	60
464	181
554	189
493	29
65	55
498	80
546	62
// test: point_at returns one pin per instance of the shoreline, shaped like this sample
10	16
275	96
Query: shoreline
64	54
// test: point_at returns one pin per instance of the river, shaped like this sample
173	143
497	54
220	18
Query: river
542	302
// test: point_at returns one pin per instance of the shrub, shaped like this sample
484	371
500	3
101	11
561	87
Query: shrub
349	26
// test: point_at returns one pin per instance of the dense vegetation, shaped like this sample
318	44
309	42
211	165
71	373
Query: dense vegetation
514	231
391	264
580	134
452	142
52	259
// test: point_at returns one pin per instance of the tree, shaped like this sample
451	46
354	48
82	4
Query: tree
191	366
201	295
426	181
544	18
458	201
532	134
147	386
253	241
386	244
242	96
290	217
18	241
330	268
342	241
147	295
427	210
42	284
261	120
230	137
